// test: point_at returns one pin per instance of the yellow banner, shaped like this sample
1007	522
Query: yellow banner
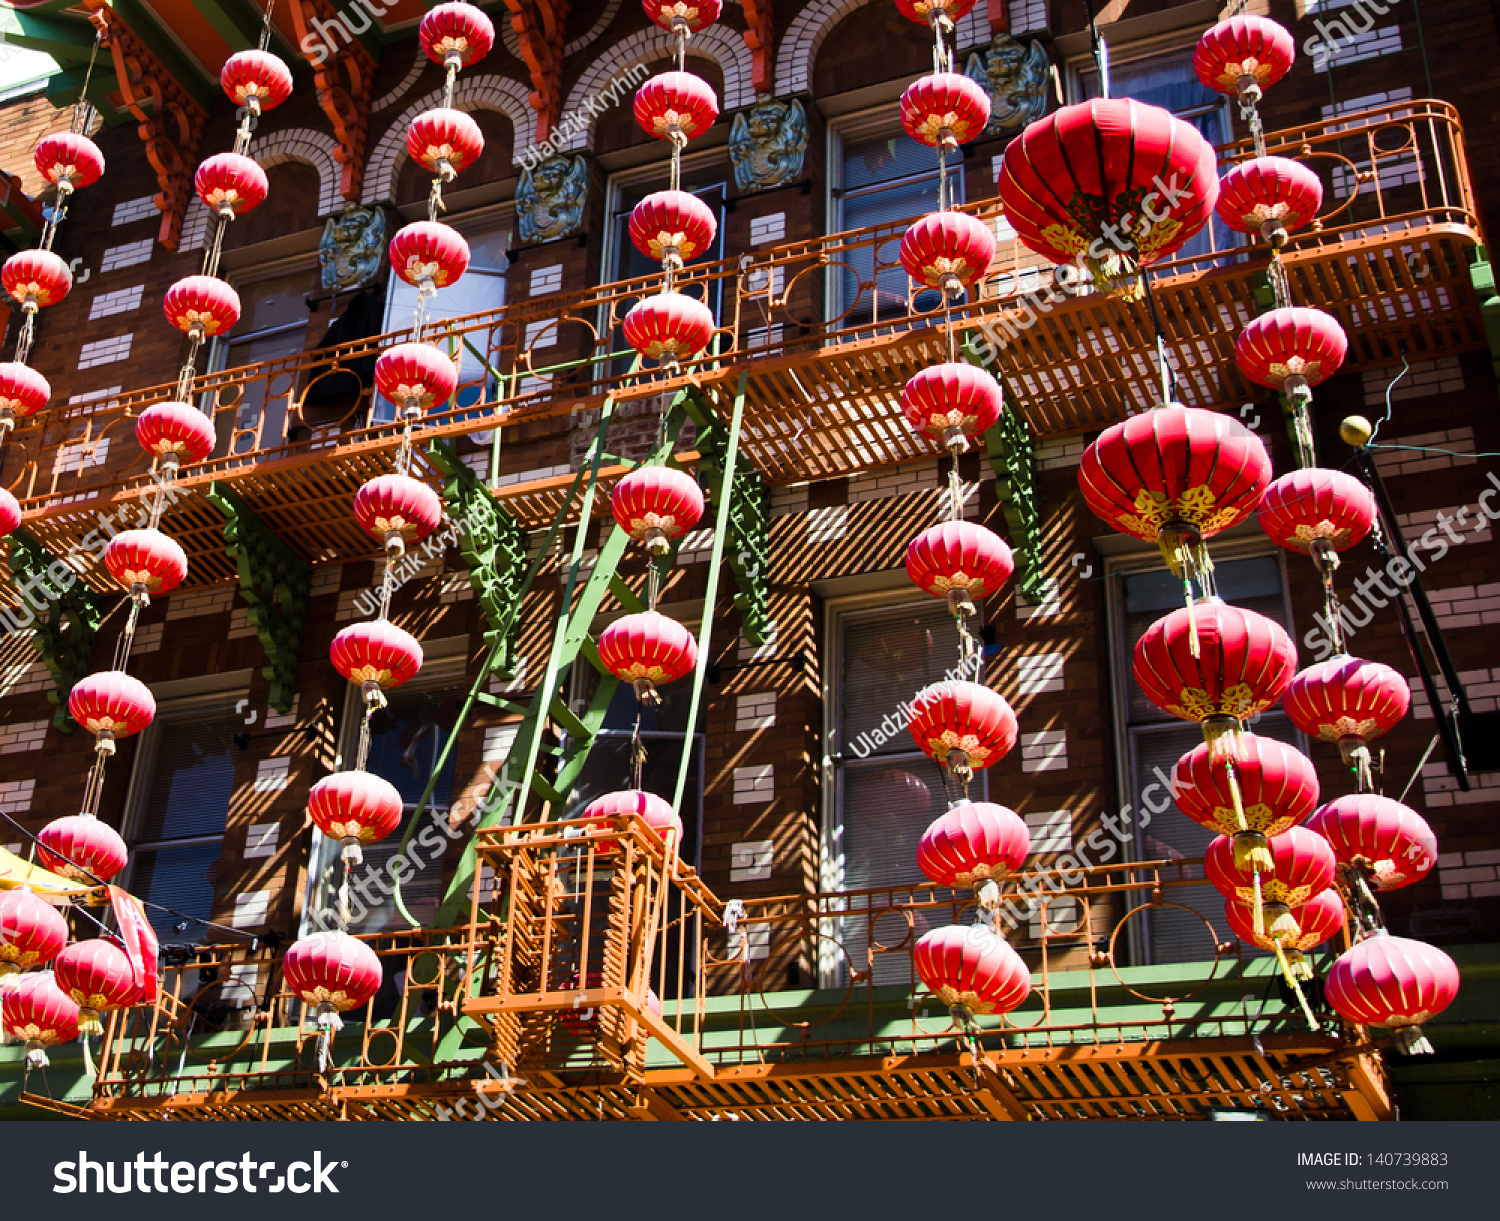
16	872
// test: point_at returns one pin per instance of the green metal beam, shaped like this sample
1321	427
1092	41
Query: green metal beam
64	632
233	20
1482	276
1011	449
66	37
140	23
275	585
64	89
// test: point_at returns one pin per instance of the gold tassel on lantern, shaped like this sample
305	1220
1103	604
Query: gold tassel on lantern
1283	925
1182	550
89	1023
1258	909
1298	965
1252	851
1291	979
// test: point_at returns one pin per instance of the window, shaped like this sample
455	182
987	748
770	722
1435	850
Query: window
881	792
180	793
1156	740
273	324
881	175
406	738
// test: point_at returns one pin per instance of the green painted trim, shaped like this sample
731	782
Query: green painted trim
1482	276
233	20
64	89
31	30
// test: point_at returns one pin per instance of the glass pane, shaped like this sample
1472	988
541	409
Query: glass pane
885	660
192	779
406	737
181	878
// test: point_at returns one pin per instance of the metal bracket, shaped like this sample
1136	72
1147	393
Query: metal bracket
65	633
275	585
1011	448
492	544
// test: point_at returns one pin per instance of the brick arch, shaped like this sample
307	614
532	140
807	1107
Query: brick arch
498	94
314	148
512	41
799	45
723	46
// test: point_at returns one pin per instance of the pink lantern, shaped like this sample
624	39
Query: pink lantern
948	250
944	108
110	705
146	562
416	377
1270	196
69	160
676	106
1390	844
36	279
376	655
397	509
1315	510
429	252
689	16
82	848
952	403
256	80
673	226
201	306
99	978
657	504
964	726
456	35
974	842
10	512
935	12
332	972
1395	983
23	392
1302	866
1315	922
1291	349
961	561
669	327
38	1013
1348	701
175	433
355	808
971	970
32	934
229	184
646	650
656	812
1244	55
444	141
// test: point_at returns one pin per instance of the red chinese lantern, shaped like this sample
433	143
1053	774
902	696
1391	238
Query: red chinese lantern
444	141
229	184
952	403
948	250
960	561
1291	349
256	80
688	15
428	252
82	848
1086	185
69	160
676	106
175	433
647	649
416	377
1174	477
669	327
932	12
38	1013
1244	55
1390	844
944	108
456	35
964	726
146	562
1395	983
201	306
1316	920
1348	701
397	509
972	843
1270	196
36	279
1242	664
99	978
673	227
1315	510
354	808
657	504
376	655
10	513
656	812
110	705
333	972
1302	865
23	392
1245	785
971	970
32	934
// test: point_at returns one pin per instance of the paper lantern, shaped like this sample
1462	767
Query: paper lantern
948	250
376	655
944	108
1271	196
36	279
427	252
656	504
961	561
456	35
355	808
201	306
68	160
1393	982
1244	55
23	392
1315	921
1390	844
687	15
656	812
1302	865
32	934
397	509
10	512
82	848
934	12
964	726
39	1014
673	227
1084	186
256	80
1245	783
416	377
953	403
669	327
675	106
175	433
230	184
971	970
1315	510
972	843
1348	701
99	978
146	562
332	972
110	705
647	649
1291	349
444	141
